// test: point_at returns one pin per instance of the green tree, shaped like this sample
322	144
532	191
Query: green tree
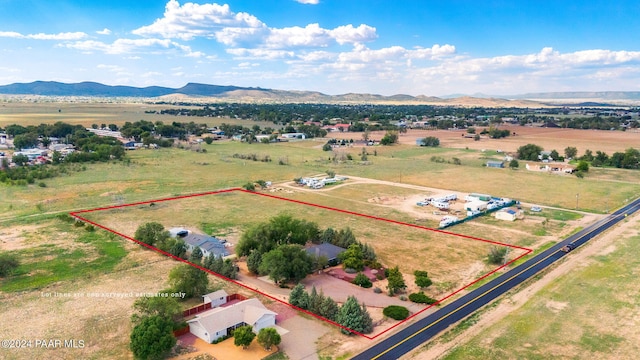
352	258
268	337
362	280
529	152
196	255
8	263
24	141
167	308
631	159
329	309
188	279
391	137
395	281
582	166
588	155
249	186
497	255
243	336
20	159
422	279
514	164
152	338
281	229
298	297
430	141
253	261
354	317
179	249
315	301
151	233
286	263
570	152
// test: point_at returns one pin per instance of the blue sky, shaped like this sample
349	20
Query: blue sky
333	46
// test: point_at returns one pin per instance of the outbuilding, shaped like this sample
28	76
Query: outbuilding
508	214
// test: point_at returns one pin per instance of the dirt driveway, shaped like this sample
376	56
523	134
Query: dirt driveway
339	290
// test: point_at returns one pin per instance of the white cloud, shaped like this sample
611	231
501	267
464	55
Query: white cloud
11	34
60	36
194	20
104	31
42	36
189	21
269	54
347	34
128	46
308	2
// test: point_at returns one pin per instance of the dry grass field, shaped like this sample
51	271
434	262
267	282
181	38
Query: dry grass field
449	259
584	311
548	138
88	113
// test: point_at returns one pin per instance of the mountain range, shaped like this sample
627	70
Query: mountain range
256	94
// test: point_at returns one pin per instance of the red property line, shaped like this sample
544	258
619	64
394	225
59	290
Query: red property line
75	214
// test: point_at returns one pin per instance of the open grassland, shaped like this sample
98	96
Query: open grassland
86	114
448	259
590	313
76	284
548	138
59	252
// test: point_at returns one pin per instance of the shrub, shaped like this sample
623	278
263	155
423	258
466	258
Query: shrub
78	223
377	290
396	312
362	280
350	271
90	228
403	298
421	298
65	217
42	184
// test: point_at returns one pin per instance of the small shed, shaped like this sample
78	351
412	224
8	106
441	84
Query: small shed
508	214
495	164
216	298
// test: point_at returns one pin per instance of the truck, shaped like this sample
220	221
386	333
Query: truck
567	248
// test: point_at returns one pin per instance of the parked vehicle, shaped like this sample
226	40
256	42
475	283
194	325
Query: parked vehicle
536	208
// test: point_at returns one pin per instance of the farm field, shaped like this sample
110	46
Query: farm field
548	138
589	310
449	259
87	113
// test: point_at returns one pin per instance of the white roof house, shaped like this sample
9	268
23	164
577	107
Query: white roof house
218	322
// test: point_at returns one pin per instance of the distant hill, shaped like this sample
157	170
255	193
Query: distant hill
598	95
206	92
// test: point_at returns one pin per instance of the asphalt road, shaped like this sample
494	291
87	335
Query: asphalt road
417	333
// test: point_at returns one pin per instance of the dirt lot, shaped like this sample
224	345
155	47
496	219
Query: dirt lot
548	138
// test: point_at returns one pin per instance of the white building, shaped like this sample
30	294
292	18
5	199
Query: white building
218	322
